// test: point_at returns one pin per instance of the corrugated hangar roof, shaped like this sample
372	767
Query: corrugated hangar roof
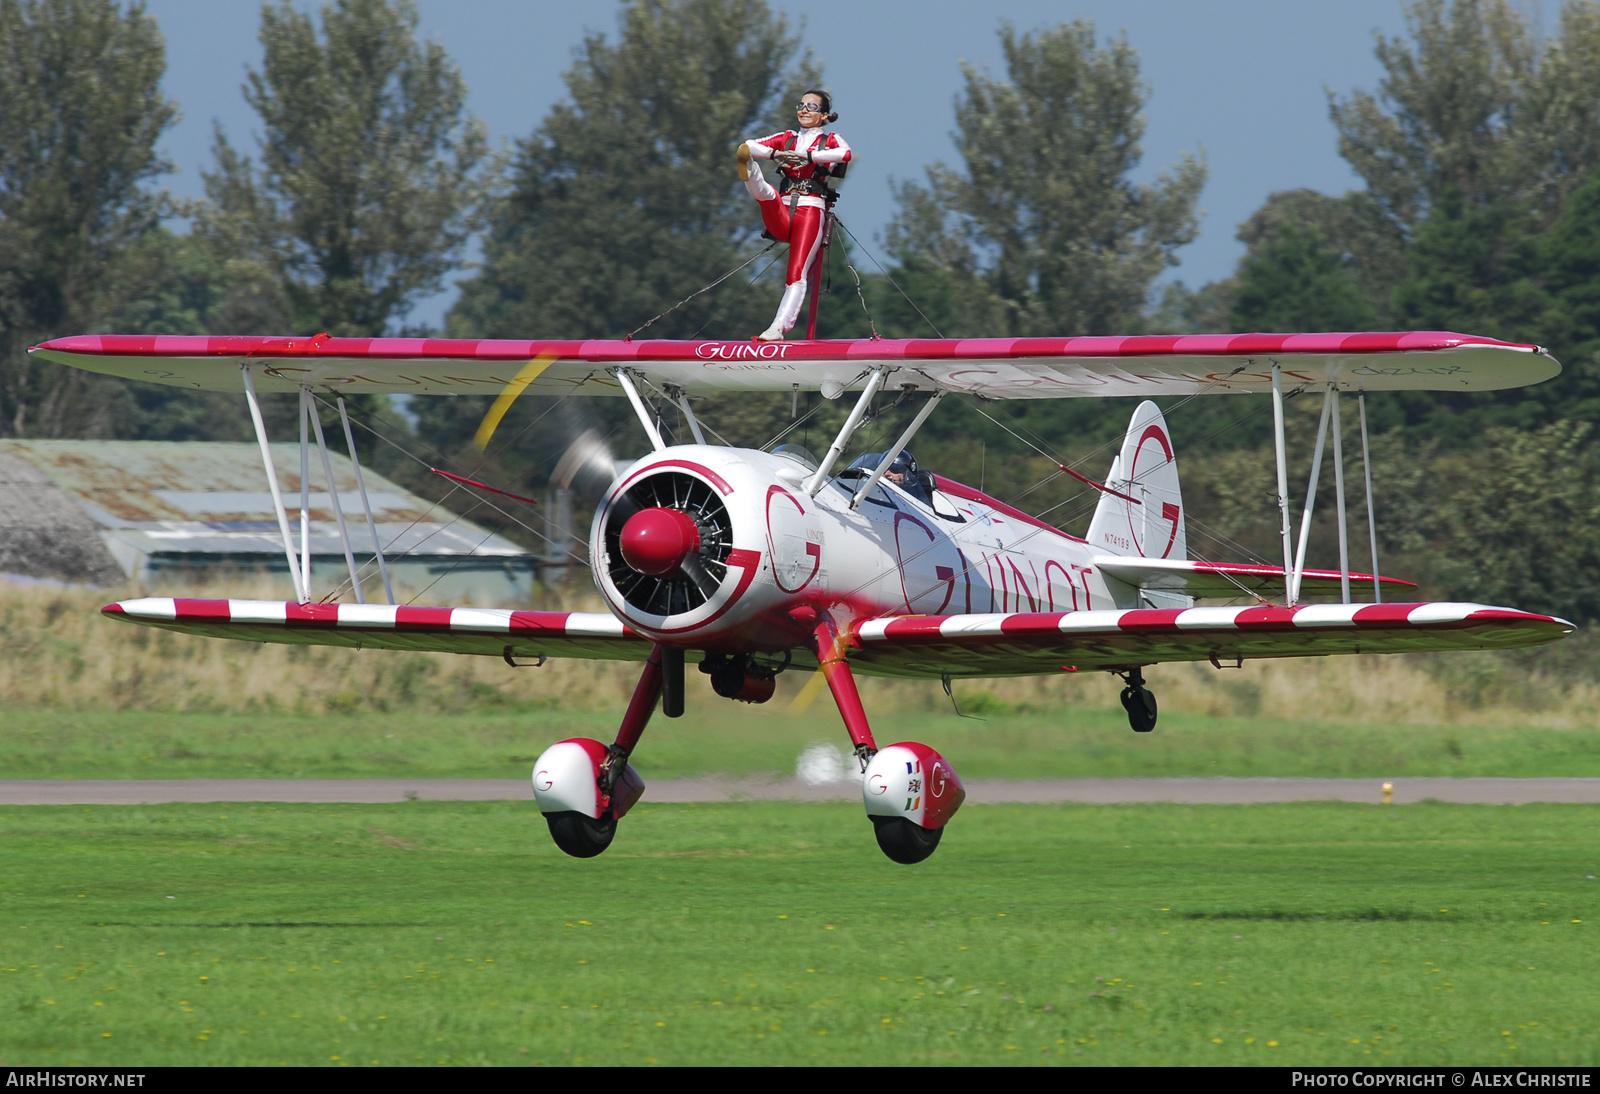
165	497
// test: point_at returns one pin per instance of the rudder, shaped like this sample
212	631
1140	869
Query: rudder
1147	470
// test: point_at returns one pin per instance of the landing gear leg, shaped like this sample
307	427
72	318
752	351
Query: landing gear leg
583	787
1139	701
842	682
643	704
909	790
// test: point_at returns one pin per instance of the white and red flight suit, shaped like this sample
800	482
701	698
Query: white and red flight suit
801	229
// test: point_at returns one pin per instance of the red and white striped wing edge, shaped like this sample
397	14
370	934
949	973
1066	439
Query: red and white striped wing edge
1441	615
380	616
485	631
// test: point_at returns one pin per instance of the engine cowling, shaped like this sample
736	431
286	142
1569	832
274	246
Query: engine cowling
704	546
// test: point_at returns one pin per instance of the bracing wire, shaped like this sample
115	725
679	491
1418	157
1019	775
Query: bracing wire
366	569
442	458
728	303
703	288
861	296
889	276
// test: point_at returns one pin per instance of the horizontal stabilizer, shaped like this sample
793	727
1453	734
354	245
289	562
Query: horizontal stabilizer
1028	643
488	631
996	368
1228	579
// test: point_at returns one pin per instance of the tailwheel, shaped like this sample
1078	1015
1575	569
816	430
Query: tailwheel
581	836
1140	703
905	842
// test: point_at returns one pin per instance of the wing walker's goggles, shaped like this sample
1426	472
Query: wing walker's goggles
808	108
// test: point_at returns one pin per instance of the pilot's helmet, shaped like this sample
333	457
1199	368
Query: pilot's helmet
904	463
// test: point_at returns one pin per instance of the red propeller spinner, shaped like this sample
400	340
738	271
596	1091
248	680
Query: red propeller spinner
656	541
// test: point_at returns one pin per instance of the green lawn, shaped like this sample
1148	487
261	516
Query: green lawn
502	742
776	933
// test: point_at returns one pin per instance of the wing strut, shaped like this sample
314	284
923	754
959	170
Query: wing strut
1372	516
640	409
1338	495
889	456
305	495
1311	497
366	506
675	393
333	496
272	482
1283	472
851	424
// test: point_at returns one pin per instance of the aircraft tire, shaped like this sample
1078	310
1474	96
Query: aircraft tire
579	835
905	841
1140	703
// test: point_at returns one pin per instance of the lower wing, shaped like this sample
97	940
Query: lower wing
1020	644
1030	643
495	632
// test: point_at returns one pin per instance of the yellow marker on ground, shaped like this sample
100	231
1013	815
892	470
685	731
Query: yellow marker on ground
1388	793
491	421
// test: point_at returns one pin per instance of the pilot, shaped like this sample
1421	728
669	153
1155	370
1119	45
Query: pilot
904	473
793	212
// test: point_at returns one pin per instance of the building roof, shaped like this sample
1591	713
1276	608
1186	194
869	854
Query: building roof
43	534
205	497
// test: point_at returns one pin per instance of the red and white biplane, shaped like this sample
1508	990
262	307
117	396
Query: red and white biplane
750	561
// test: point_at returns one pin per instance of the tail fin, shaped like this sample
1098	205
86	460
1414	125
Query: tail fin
1145	470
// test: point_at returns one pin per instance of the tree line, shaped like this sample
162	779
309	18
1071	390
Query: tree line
1480	211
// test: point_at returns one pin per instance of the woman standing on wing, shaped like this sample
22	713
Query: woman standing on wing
793	213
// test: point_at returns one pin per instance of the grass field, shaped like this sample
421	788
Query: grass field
719	736
777	933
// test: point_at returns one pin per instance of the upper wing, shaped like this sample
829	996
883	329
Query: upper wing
996	368
1226	579
496	632
1040	642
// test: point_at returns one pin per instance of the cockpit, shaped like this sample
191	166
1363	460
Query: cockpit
903	474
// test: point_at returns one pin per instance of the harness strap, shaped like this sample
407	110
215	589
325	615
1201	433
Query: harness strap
814	185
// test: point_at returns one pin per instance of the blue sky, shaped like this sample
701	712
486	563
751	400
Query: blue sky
1246	81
